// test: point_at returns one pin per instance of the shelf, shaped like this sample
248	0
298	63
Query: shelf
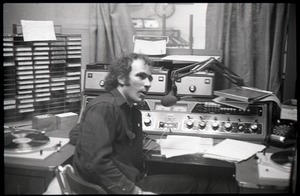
41	76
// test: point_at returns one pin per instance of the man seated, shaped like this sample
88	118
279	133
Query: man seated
109	137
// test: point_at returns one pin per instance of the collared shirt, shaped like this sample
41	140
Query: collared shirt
109	145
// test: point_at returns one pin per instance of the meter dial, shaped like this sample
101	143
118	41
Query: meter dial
160	107
180	108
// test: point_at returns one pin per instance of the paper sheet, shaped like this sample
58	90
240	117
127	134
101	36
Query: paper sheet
233	150
150	47
272	98
38	30
176	145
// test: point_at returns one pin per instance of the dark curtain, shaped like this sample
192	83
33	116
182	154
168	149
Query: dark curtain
111	31
252	37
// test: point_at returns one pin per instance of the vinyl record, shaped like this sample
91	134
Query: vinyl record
283	158
24	141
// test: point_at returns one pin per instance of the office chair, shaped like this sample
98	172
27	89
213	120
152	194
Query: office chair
70	183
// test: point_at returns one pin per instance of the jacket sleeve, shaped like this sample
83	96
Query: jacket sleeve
97	134
73	134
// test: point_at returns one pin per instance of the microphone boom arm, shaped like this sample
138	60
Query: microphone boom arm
200	66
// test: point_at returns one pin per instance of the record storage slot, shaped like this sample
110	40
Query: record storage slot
41	76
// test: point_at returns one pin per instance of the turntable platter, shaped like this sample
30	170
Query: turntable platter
283	158
24	141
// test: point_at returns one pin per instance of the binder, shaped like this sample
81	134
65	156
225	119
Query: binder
245	94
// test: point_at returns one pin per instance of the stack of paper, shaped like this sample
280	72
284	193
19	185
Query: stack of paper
66	121
176	145
233	150
243	93
232	103
241	96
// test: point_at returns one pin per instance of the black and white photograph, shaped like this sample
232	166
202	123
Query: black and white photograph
150	98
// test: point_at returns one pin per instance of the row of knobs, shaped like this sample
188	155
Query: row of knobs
228	125
215	125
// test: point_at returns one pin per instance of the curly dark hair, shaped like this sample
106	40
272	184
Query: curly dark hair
122	67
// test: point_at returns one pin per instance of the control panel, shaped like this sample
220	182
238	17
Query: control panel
206	119
95	81
199	84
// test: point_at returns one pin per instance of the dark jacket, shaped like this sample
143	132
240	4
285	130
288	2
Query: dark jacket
109	144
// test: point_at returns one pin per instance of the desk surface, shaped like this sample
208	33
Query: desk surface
152	153
246	172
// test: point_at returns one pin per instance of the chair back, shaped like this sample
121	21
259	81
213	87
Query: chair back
70	183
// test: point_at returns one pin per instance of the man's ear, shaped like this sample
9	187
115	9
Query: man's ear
121	80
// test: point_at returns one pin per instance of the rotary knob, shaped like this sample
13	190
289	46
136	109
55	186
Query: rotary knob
215	124
101	83
254	127
192	88
147	122
189	124
241	127
228	126
202	124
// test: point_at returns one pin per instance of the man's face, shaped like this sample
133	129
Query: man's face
139	82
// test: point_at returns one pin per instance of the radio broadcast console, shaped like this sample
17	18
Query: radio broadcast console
206	119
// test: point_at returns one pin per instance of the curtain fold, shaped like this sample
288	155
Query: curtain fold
252	37
111	31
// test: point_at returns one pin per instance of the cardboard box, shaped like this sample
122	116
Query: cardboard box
289	110
66	121
46	122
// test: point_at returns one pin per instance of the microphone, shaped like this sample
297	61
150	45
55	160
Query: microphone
170	99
